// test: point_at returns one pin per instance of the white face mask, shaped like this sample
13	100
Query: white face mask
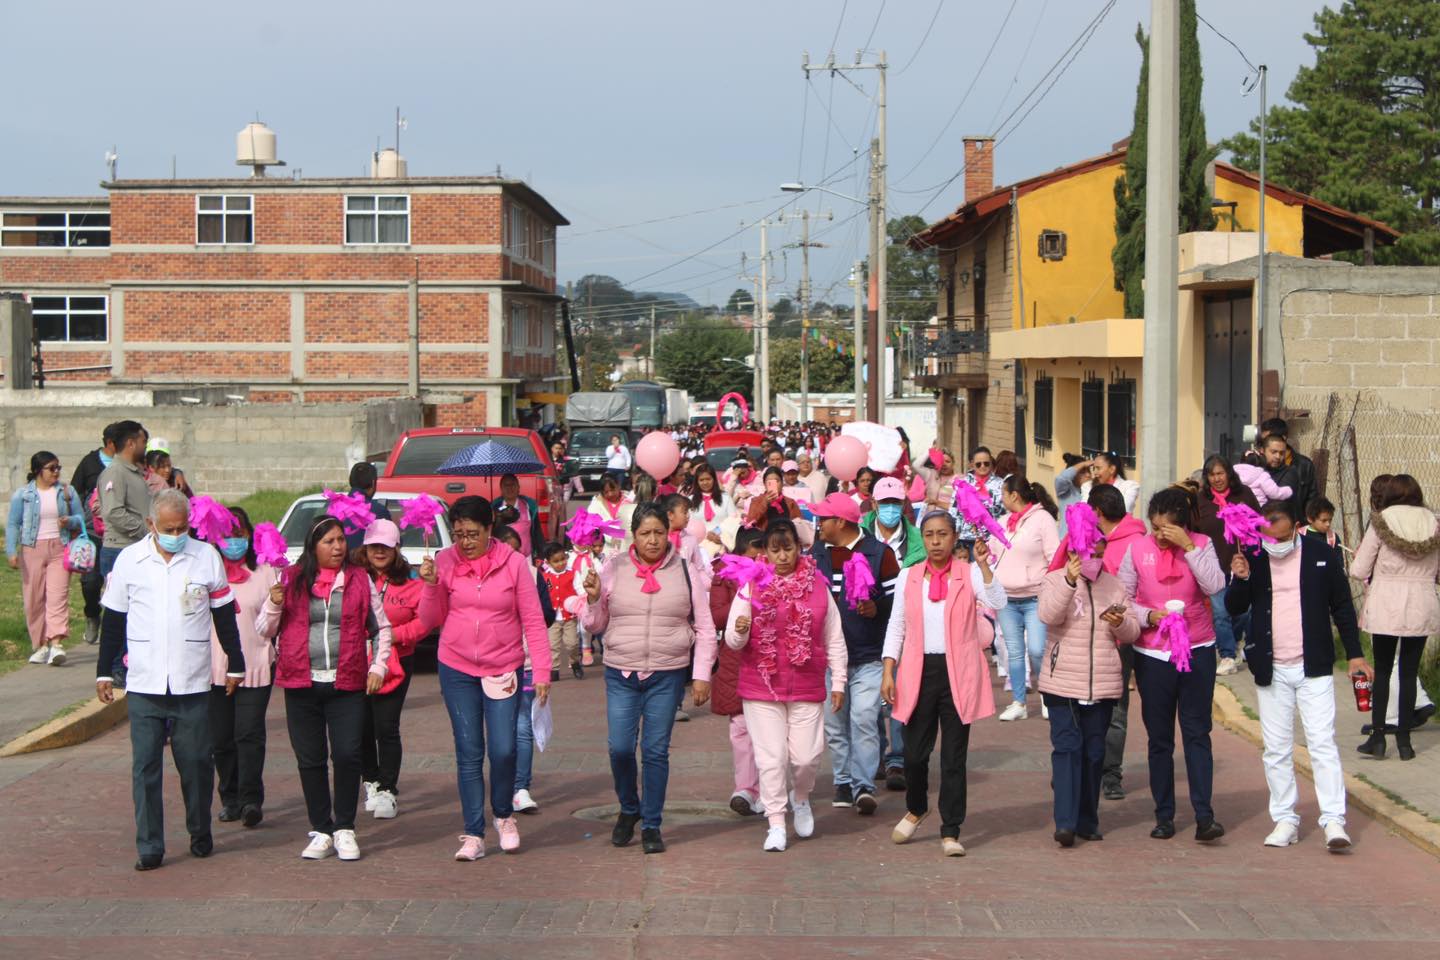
1280	549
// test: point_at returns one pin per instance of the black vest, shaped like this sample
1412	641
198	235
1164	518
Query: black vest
864	638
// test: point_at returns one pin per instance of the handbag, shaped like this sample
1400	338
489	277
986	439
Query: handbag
80	553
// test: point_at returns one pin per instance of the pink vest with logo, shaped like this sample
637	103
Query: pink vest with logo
292	661
964	659
1151	593
789	683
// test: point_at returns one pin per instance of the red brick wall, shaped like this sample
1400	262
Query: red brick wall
370	365
455	218
189	366
213	317
356	317
57	359
151	217
454	317
470	413
60	268
245	266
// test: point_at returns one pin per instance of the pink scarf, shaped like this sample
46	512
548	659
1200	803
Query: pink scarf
981	486
1221	497
324	582
709	507
1168	564
614	509
237	572
1013	521
939	580
646	573
675	538
477	569
784	600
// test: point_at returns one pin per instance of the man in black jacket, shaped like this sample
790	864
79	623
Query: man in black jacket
1287	467
87	472
1294	589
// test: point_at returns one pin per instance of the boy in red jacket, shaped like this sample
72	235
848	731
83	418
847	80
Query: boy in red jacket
560	580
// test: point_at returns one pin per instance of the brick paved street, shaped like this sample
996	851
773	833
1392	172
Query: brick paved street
69	890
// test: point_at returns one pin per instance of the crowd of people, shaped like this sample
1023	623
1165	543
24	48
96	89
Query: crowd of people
857	617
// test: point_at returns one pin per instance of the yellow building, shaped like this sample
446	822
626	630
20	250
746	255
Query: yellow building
1030	349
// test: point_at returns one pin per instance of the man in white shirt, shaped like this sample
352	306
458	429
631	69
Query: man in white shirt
617	459
163	596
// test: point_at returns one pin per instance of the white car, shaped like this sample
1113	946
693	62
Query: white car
306	511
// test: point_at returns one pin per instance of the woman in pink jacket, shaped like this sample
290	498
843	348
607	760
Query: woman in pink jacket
1084	609
482	595
655	615
934	673
1399	556
399	586
1034	537
789	636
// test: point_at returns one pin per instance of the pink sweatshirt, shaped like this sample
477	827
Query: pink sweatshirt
482	622
1022	566
1261	484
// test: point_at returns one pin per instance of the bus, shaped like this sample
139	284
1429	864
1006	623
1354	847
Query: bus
647	403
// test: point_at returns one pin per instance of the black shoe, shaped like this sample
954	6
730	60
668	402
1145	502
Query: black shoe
1402	745
843	796
1208	831
624	830
1113	790
1091	836
251	815
865	803
651	842
739	804
229	814
1066	838
577	671
1164	830
202	847
1373	747
1422	716
895	778
1369	728
149	861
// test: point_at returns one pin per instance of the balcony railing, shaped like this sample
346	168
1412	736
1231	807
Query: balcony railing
952	355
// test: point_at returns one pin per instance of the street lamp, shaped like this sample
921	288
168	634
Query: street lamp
794	187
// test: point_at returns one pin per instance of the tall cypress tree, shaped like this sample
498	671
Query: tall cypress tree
1128	255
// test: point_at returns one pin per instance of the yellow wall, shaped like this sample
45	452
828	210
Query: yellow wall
1284	224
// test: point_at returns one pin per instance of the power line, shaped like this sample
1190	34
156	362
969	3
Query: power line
876	25
1019	65
1216	31
933	17
840	23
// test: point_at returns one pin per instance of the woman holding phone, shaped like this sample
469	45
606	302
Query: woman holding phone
772	503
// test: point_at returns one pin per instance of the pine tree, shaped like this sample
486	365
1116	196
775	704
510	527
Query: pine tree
1128	256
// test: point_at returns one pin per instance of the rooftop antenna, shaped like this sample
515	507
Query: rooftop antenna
400	124
110	159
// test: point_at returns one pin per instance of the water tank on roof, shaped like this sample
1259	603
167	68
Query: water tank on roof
255	146
387	164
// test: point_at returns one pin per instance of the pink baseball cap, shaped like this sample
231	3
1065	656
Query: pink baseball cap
383	533
838	506
789	465
889	489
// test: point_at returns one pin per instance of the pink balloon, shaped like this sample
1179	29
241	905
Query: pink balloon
657	454
696	528
844	457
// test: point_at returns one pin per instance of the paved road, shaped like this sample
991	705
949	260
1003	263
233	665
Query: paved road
69	890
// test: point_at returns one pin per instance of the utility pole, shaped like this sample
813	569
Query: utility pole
763	360
805	246
650	360
1158	403
857	281
875	390
1260	264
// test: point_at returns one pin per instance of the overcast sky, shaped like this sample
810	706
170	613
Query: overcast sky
618	112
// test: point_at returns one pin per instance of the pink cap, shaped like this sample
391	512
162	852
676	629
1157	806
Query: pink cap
383	533
889	489
839	506
789	465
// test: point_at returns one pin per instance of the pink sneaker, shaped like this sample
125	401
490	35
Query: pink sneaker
509	832
471	848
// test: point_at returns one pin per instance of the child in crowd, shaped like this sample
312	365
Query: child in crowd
560	583
1320	523
583	559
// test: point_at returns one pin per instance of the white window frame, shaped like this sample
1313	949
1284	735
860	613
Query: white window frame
519	335
374	215
68	312
69	229
225	213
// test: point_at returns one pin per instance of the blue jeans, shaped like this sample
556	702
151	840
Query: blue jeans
472	716
1077	760
524	742
1024	633
628	701
892	738
853	734
1229	631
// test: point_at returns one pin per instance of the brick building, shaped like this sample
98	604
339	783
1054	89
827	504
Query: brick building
317	290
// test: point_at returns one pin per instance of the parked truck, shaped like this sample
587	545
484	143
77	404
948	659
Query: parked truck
593	418
677	406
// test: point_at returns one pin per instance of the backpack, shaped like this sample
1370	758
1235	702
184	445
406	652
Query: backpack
92	503
80	553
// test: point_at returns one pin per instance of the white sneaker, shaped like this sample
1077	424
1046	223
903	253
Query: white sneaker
1335	837
775	840
57	655
372	787
345	846
321	846
804	817
41	655
1044	712
1284	834
524	803
385	806
1226	667
1016	711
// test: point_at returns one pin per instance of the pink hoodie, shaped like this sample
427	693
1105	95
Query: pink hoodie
483	621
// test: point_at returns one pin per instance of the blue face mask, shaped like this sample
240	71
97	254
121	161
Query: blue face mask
172	542
234	548
889	514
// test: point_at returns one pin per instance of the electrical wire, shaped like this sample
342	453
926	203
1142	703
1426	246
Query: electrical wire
876	25
843	7
1216	31
933	17
1019	65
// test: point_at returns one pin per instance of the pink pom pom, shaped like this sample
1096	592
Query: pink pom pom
1175	635
1082	529
586	529
211	521
859	580
742	570
353	511
421	512
270	545
976	512
1243	526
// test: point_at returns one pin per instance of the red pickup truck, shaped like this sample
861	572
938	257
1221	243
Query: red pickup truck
417	455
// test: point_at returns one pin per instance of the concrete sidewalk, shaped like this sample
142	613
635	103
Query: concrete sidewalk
33	694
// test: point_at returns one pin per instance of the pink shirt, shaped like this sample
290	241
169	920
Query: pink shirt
1286	634
49	528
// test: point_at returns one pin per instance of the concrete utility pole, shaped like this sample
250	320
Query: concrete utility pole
1260	264
805	246
875	391
650	360
1158	402
857	281
763	361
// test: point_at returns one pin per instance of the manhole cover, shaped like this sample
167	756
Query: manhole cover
679	814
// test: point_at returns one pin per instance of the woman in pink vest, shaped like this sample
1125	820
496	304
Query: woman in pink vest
325	615
484	598
935	675
1175	565
399	586
789	635
653	612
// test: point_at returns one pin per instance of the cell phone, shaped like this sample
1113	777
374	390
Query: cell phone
1114	608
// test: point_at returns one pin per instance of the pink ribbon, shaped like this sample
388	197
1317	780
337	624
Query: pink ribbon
1175	635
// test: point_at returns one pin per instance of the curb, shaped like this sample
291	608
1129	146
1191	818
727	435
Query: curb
1399	820
90	719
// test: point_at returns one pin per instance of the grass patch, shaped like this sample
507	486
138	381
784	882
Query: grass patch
1395	798
1429	665
15	646
268	506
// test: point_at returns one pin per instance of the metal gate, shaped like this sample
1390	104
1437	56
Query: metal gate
1228	383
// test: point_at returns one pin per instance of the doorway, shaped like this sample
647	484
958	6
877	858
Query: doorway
1229	385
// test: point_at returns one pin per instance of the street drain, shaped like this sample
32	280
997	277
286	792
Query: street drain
680	814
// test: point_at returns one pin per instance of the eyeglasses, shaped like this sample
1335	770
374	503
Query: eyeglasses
983	463
467	536
51	468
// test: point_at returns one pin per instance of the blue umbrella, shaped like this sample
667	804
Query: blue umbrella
490	458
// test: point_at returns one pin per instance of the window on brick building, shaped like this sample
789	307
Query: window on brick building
1092	417
377	219
71	319
518	239
1120	426
519	318
55	228
224	219
1043	398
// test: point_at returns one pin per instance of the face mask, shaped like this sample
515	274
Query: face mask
234	548
1280	549
106	459
1090	567
172	542
889	514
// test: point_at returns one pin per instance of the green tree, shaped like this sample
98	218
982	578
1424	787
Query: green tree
693	357
1365	131
597	358
829	372
1128	255
913	275
741	301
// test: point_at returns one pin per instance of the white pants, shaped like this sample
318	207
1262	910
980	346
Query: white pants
1315	698
788	739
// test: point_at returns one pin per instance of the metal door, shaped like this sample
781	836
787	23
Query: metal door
1228	382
